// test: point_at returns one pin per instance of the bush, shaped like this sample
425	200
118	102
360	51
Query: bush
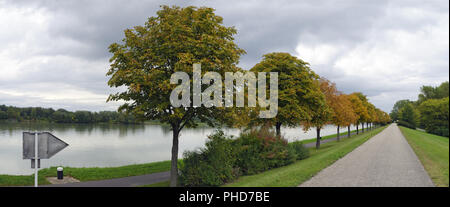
441	131
211	166
260	150
224	158
435	115
3	115
301	152
406	124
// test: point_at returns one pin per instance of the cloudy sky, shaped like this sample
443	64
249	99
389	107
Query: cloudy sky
54	53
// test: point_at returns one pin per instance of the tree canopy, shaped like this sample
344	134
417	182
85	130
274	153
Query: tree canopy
342	113
429	112
434	116
430	92
359	109
340	106
298	91
397	106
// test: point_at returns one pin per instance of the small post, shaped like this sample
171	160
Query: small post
35	159
60	173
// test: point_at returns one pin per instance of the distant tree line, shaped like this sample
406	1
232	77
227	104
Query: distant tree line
63	116
429	112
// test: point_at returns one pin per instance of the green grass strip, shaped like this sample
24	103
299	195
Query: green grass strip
432	151
160	184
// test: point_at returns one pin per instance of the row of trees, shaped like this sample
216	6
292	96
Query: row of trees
429	112
311	101
62	115
176	38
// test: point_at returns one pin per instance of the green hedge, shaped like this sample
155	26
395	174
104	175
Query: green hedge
406	124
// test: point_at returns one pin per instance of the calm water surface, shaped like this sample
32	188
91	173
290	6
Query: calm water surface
107	145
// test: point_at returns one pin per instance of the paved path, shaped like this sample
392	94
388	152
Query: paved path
132	181
385	160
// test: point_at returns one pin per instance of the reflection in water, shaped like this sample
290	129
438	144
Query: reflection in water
101	145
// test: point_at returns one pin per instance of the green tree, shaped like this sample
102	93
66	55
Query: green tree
321	113
359	109
33	114
297	91
408	115
430	92
83	117
434	114
397	106
3	115
13	113
346	116
62	116
172	41
372	115
365	115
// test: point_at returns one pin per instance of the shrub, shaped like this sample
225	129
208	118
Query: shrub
301	152
434	116
260	150
224	158
3	115
212	165
406	124
441	131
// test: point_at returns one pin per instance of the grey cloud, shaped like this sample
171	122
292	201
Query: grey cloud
82	31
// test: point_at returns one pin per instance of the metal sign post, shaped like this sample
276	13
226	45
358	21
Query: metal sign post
36	159
40	145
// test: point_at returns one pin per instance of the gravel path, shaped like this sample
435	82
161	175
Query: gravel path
385	160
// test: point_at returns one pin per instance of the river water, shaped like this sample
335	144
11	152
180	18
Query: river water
108	145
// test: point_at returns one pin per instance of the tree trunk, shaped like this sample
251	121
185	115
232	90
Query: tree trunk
367	126
348	133
357	128
278	128
338	133
318	138
362	127
174	161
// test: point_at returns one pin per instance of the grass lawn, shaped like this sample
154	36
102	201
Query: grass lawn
160	184
301	171
86	174
432	151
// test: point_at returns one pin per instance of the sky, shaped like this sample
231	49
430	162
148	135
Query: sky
55	53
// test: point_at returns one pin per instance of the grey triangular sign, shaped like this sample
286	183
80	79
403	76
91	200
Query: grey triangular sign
54	144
